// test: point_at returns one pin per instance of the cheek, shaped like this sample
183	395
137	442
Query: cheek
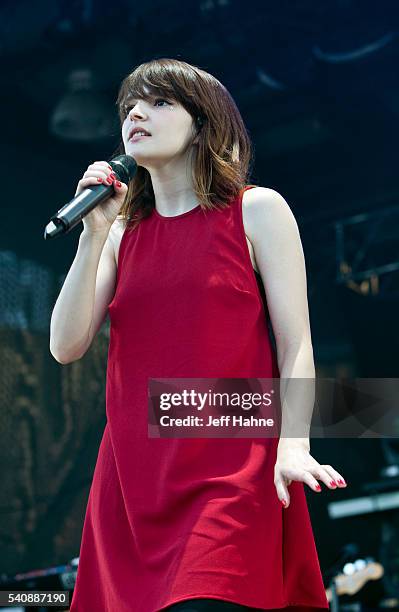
175	136
125	130
184	131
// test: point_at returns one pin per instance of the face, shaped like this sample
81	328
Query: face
170	126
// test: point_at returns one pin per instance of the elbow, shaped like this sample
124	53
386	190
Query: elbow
62	358
59	358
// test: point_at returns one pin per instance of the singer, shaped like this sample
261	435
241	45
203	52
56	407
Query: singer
178	260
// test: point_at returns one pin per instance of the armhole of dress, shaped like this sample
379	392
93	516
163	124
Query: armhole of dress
118	268
120	253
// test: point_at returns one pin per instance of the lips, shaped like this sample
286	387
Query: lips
137	129
137	137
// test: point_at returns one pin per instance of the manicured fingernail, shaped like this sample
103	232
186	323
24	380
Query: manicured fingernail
99	179
113	175
318	487
110	167
341	481
333	484
118	184
109	180
283	502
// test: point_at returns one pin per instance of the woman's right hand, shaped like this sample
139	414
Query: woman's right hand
100	218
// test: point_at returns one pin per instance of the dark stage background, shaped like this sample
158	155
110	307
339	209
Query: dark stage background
317	85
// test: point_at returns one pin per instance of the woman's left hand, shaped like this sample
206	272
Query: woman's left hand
294	462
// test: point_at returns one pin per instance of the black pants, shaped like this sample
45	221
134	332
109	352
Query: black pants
208	605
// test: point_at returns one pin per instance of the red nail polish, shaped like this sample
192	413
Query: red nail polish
112	175
341	481
110	167
333	483
283	502
318	487
109	181
99	179
118	184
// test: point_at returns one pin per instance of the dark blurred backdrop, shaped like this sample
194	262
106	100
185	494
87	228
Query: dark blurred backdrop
317	85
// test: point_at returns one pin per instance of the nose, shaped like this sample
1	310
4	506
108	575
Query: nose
135	111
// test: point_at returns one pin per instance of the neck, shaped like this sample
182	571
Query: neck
173	189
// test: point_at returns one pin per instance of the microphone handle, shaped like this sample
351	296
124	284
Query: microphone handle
73	212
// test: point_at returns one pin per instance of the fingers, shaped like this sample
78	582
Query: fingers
335	476
282	492
100	172
325	473
100	164
120	187
282	485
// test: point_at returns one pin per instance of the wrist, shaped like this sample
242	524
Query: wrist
90	234
297	442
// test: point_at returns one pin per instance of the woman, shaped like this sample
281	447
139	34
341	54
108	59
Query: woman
179	261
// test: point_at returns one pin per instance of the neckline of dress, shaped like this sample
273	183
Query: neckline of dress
188	212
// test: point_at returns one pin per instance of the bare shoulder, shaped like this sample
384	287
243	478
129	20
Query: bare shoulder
262	209
116	233
258	199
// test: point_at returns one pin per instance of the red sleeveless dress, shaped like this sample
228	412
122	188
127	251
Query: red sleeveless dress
175	519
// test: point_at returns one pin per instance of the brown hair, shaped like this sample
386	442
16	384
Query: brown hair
224	156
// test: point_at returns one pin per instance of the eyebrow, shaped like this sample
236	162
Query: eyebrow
149	96
131	99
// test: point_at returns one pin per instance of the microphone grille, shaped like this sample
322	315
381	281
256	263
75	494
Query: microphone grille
124	166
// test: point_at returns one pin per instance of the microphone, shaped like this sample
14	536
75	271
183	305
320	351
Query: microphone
124	166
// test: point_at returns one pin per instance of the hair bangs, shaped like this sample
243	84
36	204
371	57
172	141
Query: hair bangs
150	80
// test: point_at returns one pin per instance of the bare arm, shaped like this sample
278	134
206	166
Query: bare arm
90	283
83	301
274	234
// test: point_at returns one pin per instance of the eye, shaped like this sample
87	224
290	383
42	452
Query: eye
127	107
160	100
